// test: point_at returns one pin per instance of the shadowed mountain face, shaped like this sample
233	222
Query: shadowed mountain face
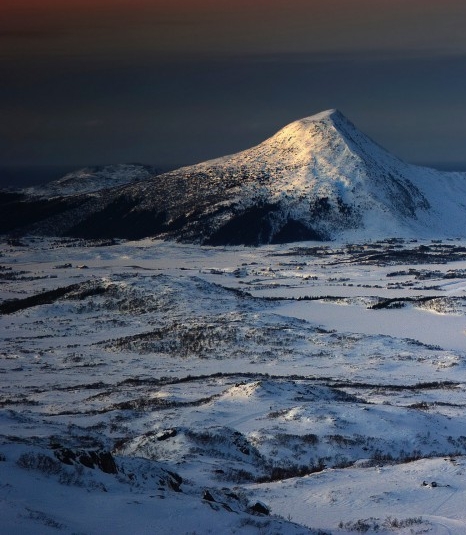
316	179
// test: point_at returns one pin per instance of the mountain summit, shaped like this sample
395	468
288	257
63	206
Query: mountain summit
318	178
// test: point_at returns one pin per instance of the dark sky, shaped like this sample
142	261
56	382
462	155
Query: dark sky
172	82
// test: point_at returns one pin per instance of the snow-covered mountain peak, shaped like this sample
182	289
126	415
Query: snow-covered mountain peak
330	135
317	178
305	125
326	114
323	169
324	143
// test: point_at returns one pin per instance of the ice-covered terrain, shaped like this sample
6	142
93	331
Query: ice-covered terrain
154	387
318	178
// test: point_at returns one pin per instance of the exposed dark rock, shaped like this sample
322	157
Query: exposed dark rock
166	434
174	481
259	508
103	460
206	495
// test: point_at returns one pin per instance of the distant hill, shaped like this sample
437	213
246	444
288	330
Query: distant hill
318	178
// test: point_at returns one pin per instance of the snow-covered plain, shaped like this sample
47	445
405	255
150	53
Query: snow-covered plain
152	387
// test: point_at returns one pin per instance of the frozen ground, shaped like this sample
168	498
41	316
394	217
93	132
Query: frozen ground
150	387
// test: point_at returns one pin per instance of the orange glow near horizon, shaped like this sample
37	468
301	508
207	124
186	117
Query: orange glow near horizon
219	5
189	27
69	63
339	10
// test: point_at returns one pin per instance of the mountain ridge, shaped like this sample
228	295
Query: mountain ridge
318	178
90	179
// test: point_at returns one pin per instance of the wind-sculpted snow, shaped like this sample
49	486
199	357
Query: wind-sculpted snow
318	178
168	388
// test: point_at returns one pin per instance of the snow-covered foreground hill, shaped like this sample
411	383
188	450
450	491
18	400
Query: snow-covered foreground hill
150	387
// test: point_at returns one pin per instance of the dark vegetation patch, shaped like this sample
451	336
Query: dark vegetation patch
323	208
317	251
398	302
233	443
20	400
373	525
430	385
253	226
293	231
427	274
213	337
179	337
19	212
289	470
423	254
325	381
73	291
143	403
166	206
389	252
426	405
236	377
7	197
7	274
121	218
40	462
